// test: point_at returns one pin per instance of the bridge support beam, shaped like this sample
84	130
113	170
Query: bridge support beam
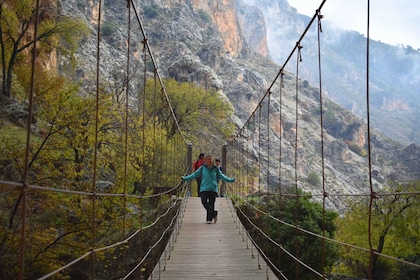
224	164
190	166
189	157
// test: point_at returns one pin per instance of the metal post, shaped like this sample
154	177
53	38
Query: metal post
190	161
224	165
189	158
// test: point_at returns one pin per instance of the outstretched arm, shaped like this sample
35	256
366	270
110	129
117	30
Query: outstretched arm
223	177
194	175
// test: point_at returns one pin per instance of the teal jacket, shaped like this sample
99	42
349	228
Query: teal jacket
209	177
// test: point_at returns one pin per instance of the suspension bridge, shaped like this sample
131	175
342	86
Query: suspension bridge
143	223
211	251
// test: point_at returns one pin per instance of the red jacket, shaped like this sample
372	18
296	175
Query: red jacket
197	164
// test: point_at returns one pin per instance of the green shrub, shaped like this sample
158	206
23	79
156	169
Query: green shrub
313	178
204	16
150	12
358	150
108	28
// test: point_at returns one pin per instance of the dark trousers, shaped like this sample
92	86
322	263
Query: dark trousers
208	199
198	185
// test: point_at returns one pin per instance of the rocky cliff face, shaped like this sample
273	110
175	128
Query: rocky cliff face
252	26
221	13
215	44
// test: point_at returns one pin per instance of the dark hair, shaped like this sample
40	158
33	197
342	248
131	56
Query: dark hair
217	160
201	155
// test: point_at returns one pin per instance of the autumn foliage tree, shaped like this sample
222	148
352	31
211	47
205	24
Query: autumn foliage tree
62	148
196	109
56	34
394	232
61	158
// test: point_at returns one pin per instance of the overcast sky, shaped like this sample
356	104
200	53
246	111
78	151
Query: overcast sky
391	21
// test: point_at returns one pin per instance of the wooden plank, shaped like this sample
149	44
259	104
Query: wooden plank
211	251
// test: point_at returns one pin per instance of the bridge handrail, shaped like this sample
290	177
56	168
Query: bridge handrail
124	241
175	219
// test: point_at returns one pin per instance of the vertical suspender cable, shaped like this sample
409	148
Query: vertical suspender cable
23	194
172	167
154	63
325	195
251	174
248	160
372	193
127	86
298	60
280	130
237	168
95	155
162	151
280	154
268	141
259	156
155	156
143	137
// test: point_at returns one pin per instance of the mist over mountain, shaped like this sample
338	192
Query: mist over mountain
394	78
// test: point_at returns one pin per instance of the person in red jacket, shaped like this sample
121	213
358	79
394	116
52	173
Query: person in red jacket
197	165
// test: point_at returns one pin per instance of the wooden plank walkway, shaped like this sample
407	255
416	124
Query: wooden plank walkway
211	251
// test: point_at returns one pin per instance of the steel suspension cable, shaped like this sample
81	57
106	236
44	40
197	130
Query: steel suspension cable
92	191
259	157
280	152
246	171
280	73
95	155
154	105
283	67
298	60
127	87
327	238
249	173
373	196
143	135
280	246
325	195
280	130
24	190
160	180
146	42
268	140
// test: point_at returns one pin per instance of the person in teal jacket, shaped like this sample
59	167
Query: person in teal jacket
209	173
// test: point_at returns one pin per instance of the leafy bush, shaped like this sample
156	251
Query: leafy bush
150	12
204	16
108	28
313	178
310	247
358	150
329	117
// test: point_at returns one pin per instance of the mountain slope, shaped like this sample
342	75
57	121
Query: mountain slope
393	70
205	44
